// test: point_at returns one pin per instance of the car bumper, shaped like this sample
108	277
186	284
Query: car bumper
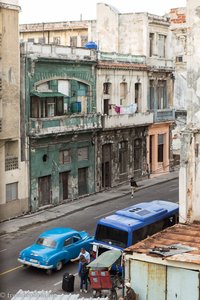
36	265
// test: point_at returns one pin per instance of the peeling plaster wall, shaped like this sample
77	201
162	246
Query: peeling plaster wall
193	75
10	114
189	188
114	137
107	28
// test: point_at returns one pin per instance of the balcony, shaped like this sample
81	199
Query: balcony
164	115
127	120
160	63
64	124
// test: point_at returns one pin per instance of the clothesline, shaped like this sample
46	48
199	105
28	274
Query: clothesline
129	109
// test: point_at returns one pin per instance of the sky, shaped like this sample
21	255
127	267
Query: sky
38	11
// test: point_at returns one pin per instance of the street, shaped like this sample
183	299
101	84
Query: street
13	276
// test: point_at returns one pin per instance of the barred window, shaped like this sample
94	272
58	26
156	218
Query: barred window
12	191
11	163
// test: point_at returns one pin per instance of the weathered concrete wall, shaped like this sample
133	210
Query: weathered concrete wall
189	189
193	65
107	28
117	76
10	116
114	137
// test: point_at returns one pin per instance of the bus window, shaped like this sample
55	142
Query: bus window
112	236
139	235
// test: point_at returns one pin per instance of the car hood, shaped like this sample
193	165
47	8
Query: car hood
38	251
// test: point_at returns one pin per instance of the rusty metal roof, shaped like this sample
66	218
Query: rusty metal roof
180	242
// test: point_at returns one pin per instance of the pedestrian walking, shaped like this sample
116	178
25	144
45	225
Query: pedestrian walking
133	184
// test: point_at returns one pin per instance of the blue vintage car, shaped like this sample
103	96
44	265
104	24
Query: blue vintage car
54	248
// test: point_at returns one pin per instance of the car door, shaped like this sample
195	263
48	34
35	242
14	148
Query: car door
72	245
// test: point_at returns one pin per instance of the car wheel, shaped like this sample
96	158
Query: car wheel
59	265
49	272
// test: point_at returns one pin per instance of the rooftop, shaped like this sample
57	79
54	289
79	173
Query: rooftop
180	243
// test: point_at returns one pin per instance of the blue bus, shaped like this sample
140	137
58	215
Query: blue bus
130	225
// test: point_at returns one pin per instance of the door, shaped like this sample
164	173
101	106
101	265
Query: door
64	186
44	187
106	107
182	284
150	152
82	181
106	165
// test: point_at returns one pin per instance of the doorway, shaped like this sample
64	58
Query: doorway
82	181
44	189
106	165
63	180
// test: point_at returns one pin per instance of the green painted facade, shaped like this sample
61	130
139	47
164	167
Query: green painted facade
61	151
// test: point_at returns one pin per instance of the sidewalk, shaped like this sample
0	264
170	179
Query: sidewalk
42	216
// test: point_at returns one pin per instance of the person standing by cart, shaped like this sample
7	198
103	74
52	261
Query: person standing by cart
83	273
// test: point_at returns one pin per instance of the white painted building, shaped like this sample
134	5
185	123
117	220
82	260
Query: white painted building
166	266
189	189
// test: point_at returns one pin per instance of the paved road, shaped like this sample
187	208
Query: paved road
13	276
78	205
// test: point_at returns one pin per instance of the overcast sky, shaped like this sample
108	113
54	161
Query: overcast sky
34	11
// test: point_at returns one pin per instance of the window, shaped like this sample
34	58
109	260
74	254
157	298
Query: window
112	236
84	40
12	191
162	97
138	95
83	153
151	43
123	93
123	153
137	156
47	242
31	40
11	155
68	242
107	88
152	94
161	45
160	147
46	107
73	41
56	40
179	58
65	157
50	108
41	40
142	233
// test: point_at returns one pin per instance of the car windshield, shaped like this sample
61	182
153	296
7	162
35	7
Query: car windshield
46	242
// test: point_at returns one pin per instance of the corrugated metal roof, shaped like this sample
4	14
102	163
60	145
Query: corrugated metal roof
182	236
44	295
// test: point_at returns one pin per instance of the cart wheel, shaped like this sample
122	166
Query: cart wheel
94	294
113	295
49	271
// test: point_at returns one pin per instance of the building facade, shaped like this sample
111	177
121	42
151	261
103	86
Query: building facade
121	100
60	100
149	36
190	152
178	28
13	163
